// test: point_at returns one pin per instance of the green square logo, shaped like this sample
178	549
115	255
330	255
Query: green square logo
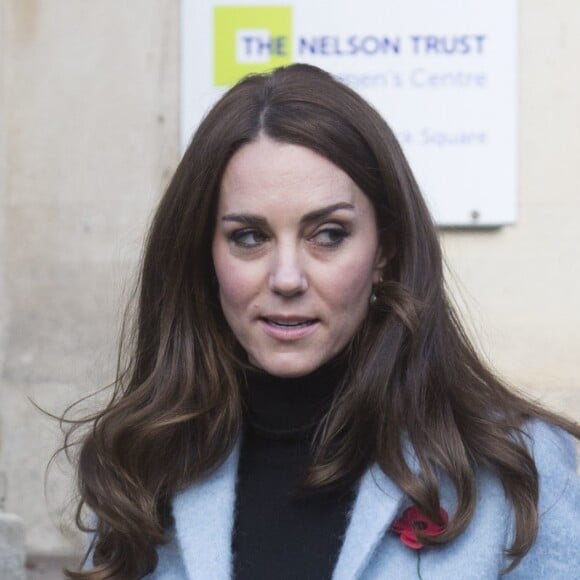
250	39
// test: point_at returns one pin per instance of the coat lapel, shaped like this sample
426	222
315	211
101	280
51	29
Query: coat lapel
204	518
376	506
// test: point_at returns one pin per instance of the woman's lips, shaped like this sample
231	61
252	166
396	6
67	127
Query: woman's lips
288	329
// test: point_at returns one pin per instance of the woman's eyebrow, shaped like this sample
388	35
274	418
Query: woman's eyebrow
323	212
259	221
246	219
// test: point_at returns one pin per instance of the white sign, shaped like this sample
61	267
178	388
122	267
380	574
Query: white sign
443	74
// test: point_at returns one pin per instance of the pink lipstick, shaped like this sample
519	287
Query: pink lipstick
288	329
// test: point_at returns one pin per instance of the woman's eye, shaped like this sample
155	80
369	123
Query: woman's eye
247	238
330	236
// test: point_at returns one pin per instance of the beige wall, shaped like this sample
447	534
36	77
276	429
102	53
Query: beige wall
90	101
522	283
88	138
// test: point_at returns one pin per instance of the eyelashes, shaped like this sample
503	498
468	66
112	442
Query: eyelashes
247	238
325	237
330	237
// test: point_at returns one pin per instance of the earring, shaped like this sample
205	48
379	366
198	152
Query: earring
374	298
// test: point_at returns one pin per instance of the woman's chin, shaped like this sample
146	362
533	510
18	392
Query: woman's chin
287	366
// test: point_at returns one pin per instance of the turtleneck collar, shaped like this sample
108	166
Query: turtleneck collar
290	407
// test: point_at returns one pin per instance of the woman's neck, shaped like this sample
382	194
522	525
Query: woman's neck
285	406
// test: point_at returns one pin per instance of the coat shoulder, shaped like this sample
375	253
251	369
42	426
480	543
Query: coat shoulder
555	552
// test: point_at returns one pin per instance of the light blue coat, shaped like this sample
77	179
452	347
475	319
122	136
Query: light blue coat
200	548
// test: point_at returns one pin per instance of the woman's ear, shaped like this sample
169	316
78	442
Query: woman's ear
379	268
385	253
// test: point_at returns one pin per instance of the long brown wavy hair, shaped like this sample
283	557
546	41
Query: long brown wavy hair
414	376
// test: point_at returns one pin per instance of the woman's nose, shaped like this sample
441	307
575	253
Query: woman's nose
287	275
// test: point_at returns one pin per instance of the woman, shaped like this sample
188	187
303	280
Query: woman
300	400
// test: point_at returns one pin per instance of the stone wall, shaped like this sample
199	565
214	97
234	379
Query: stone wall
89	94
12	553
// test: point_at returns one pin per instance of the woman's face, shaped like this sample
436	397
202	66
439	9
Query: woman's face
296	253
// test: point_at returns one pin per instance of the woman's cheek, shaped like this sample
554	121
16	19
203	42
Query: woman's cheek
351	284
238	282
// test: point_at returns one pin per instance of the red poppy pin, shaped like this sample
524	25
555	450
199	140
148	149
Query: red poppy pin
413	520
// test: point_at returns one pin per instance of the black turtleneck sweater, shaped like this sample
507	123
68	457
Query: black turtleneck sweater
279	532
